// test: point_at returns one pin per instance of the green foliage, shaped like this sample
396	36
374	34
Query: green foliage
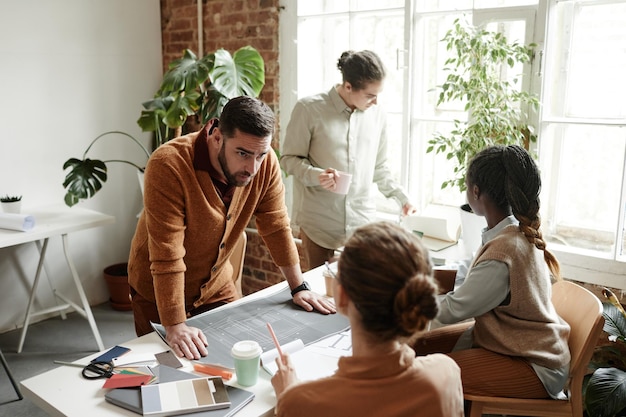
86	176
201	87
191	86
498	112
10	198
605	390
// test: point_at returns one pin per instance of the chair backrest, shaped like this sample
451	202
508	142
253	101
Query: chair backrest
582	310
445	279
237	259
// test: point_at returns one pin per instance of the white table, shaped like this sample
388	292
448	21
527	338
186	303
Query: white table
51	222
63	392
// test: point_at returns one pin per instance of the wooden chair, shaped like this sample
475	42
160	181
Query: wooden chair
445	279
237	259
582	310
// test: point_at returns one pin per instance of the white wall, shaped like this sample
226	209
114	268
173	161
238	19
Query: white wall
70	70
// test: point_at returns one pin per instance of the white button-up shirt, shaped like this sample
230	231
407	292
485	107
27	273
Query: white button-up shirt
325	133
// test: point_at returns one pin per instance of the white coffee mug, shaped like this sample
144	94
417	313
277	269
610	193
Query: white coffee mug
342	182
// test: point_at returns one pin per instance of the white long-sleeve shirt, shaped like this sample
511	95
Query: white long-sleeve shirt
325	133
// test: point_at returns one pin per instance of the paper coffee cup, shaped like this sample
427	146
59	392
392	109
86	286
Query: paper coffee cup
342	182
246	355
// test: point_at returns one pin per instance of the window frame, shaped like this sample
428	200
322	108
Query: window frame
576	264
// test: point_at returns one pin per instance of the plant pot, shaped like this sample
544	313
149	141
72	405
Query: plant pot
12	207
471	229
116	277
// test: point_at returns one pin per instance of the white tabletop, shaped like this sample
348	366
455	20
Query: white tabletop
54	221
64	392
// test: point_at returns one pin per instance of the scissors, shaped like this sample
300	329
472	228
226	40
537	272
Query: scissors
95	369
98	369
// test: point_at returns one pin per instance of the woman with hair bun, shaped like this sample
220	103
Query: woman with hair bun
384	286
342	131
516	346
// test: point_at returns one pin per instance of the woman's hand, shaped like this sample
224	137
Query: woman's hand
285	376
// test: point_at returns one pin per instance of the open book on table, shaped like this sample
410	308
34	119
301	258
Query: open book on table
314	361
438	226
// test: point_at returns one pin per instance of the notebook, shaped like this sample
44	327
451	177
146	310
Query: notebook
130	398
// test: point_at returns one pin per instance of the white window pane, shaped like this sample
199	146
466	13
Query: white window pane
486	4
422	6
588	50
318	55
582	168
312	7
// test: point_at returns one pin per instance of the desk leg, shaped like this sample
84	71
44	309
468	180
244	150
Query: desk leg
81	293
10	375
31	300
52	287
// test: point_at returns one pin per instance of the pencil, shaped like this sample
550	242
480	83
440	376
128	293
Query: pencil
280	352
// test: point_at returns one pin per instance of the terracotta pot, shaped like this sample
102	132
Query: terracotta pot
116	277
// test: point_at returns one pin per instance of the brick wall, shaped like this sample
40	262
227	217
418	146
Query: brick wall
228	24
231	24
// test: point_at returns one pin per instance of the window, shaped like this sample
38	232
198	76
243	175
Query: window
577	75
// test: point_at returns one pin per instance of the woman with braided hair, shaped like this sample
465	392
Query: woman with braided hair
516	344
384	286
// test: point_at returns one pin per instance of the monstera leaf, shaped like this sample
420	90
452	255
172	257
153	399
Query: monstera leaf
86	176
202	87
84	179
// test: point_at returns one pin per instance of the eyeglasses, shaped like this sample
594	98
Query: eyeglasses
330	271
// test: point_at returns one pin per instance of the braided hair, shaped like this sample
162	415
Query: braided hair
510	176
361	68
386	272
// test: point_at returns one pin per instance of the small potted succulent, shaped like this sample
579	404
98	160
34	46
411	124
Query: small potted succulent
11	203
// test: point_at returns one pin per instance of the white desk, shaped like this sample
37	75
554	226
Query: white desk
51	222
64	392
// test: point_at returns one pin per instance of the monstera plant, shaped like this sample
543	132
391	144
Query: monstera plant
605	389
191	86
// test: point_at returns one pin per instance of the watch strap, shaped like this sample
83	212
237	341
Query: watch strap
302	287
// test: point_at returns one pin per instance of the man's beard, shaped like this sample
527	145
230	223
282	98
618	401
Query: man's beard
230	177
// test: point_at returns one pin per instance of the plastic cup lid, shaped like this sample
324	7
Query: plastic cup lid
246	349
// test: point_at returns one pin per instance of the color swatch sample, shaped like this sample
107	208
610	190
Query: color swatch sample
181	397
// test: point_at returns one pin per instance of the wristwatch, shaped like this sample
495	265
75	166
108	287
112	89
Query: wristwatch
302	287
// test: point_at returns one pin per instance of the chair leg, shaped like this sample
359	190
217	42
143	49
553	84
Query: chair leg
10	375
475	409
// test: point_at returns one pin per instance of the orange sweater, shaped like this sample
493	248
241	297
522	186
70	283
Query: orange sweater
185	236
398	385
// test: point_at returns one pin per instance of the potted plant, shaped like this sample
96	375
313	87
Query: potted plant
11	203
201	87
497	109
191	86
605	389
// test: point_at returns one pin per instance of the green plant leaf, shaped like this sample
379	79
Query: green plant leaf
241	74
614	321
605	395
185	74
84	179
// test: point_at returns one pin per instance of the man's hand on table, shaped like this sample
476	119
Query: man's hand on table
185	341
311	301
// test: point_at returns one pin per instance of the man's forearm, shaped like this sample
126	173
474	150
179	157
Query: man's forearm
293	275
